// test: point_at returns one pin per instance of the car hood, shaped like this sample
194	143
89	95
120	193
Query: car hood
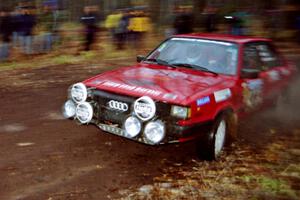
173	85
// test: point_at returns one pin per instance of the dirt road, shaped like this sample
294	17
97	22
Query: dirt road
43	156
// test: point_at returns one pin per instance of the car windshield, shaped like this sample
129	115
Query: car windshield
208	55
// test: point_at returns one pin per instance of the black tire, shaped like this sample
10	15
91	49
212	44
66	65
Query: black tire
210	146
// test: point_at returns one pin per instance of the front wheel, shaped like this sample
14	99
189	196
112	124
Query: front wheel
211	146
219	138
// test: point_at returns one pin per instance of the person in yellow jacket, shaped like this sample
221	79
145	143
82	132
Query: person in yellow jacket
112	22
139	24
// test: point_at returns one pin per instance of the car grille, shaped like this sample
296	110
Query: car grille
105	113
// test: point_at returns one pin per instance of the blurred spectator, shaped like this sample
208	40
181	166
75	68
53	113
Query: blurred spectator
27	23
235	25
210	19
298	28
16	24
48	20
89	20
5	33
238	23
170	19
271	23
139	25
122	29
112	22
184	21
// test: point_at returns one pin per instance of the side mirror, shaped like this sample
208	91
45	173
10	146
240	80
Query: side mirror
140	58
250	73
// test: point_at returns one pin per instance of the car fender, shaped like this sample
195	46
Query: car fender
210	114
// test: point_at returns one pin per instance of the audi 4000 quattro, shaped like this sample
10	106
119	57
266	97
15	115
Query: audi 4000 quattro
190	86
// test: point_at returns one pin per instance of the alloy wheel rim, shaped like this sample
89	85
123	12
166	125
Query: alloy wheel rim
220	138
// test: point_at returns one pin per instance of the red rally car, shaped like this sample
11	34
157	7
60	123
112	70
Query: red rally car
190	86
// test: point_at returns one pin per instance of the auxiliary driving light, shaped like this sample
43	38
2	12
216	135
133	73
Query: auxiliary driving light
154	132
144	108
132	127
84	112
78	92
69	109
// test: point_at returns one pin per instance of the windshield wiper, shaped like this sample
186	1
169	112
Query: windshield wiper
193	66
159	61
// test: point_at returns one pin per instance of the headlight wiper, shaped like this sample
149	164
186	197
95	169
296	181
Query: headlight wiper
193	66
160	62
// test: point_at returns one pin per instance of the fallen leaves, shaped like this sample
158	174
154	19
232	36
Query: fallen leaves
244	173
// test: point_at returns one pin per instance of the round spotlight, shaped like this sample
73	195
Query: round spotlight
78	92
84	112
69	109
154	132
144	108
132	127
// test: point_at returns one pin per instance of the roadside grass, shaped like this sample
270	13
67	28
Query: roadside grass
67	51
58	57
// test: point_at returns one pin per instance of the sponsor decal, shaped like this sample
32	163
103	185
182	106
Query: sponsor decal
144	108
203	101
140	82
252	93
255	84
222	95
132	88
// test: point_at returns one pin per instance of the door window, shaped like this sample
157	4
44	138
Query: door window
251	59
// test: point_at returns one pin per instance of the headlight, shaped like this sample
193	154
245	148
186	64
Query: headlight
180	112
132	127
69	109
84	112
154	132
144	108
78	92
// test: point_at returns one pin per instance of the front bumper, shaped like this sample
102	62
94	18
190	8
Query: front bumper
112	120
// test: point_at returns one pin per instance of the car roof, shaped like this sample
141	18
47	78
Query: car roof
224	37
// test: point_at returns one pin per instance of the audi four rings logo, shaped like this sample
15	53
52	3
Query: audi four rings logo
118	105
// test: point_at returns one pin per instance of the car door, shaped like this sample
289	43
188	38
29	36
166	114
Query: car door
275	69
253	78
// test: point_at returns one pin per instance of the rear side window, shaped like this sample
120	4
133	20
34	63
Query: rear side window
269	57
